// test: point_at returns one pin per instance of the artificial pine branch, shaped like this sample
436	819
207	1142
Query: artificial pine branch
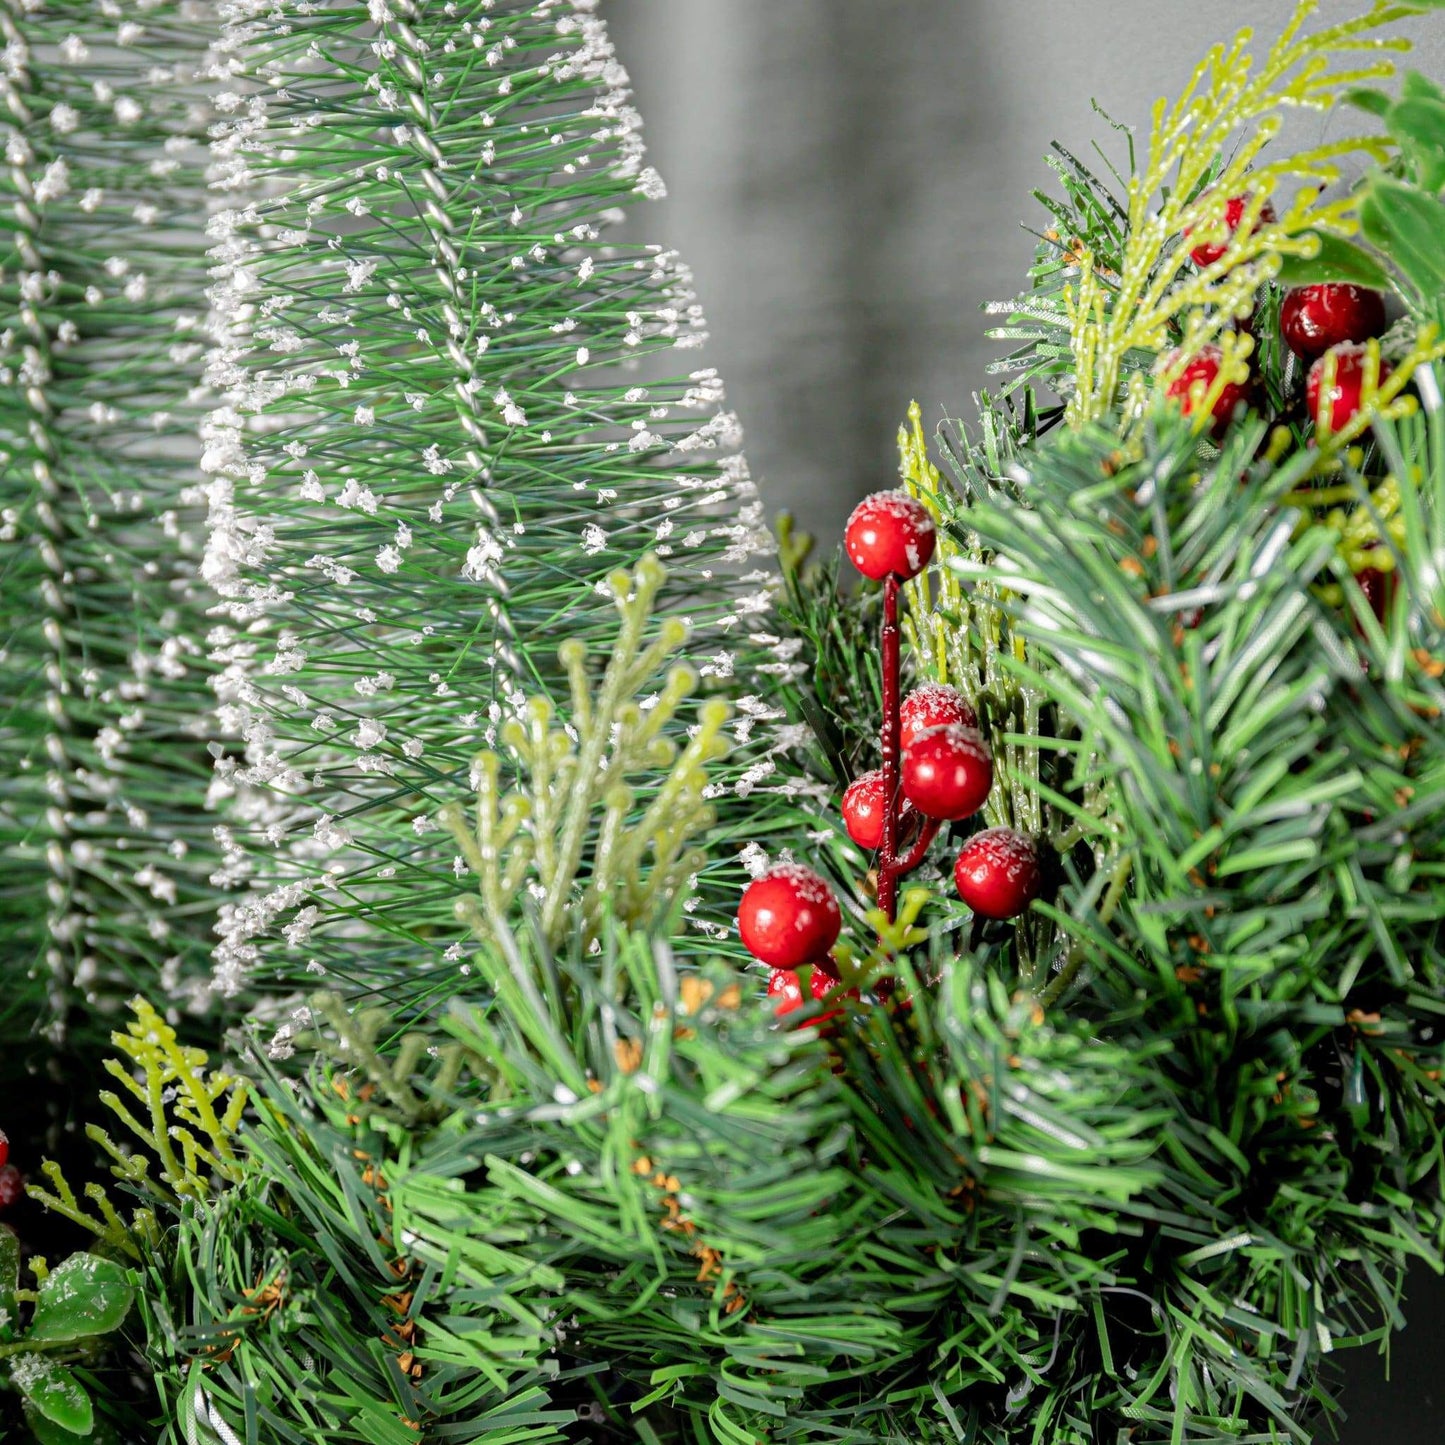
1274	765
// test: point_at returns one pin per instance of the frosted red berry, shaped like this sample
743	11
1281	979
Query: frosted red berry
12	1186
947	771
788	916
1344	397
890	534
4	1149
1208	252
931	706
864	805
785	988
1314	318
1195	381
997	873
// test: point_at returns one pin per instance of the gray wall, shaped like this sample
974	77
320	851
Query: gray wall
847	180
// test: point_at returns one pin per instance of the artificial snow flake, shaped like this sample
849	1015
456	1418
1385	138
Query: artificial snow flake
54	182
512	414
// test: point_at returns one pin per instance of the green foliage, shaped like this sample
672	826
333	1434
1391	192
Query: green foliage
1400	215
838	687
84	1298
53	1392
1153	297
1279	785
542	841
362	1041
1132	1165
655	1213
487	1276
105	848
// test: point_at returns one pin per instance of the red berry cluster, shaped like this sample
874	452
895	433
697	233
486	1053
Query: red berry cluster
1324	325
944	769
937	768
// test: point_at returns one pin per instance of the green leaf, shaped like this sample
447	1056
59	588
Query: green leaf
1377	102
84	1296
53	1391
1414	86
1422	120
47	1432
1406	224
1418	124
1338	260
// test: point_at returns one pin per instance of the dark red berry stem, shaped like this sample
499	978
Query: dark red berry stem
921	844
888	867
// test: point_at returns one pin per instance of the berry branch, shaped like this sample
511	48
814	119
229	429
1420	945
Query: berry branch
936	767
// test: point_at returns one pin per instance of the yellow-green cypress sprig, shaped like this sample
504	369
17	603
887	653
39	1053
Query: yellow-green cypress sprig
186	1130
570	836
1157	293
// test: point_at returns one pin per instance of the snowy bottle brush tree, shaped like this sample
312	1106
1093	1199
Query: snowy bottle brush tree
1094	1092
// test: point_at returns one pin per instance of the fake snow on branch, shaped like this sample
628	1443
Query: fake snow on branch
440	433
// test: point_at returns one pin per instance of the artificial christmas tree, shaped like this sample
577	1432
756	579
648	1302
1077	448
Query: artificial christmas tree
1116	1133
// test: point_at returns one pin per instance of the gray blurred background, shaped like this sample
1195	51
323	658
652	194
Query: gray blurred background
847	179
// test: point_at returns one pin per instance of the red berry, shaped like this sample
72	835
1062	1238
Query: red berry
930	706
12	1186
864	804
948	771
786	987
1198	376
997	873
1379	586
1345	395
889	534
1314	318
1379	589
1208	252
788	916
4	1149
